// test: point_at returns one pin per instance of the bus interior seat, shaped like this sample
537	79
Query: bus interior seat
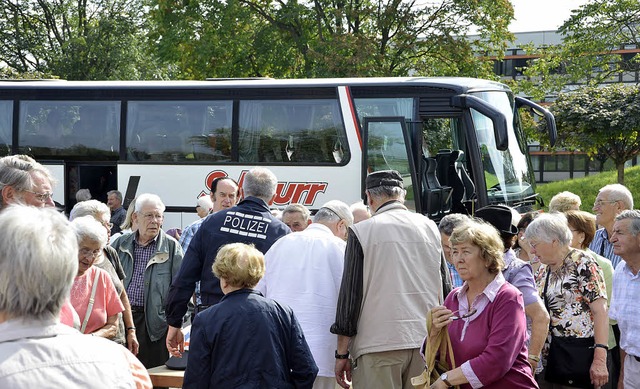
436	198
469	188
448	158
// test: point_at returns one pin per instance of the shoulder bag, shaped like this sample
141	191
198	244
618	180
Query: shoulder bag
435	356
570	358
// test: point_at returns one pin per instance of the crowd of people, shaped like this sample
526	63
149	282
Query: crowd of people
289	299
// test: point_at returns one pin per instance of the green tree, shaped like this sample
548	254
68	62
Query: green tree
601	120
588	54
329	38
76	40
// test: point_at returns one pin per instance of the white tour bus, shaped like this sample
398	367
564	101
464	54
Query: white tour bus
319	136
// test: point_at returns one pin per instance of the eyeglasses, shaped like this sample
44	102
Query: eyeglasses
533	245
469	313
89	253
599	203
43	197
152	216
108	225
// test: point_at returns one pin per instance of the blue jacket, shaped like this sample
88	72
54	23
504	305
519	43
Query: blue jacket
248	341
249	222
162	266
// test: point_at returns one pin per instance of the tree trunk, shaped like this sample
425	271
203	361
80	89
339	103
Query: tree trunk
620	167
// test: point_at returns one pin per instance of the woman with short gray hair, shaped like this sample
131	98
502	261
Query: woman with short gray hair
109	261
38	261
573	290
93	294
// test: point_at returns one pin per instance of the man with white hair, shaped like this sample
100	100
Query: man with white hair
309	281
625	306
150	260
249	222
25	181
611	201
37	268
204	205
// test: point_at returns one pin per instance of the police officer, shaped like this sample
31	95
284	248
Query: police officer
249	222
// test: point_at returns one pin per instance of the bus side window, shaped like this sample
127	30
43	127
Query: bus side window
6	122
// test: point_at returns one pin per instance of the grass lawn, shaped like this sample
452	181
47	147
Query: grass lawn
587	187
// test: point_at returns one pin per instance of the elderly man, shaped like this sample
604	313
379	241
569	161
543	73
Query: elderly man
118	213
625	306
25	181
224	194
37	268
309	281
150	260
391	278
611	200
296	217
204	205
249	222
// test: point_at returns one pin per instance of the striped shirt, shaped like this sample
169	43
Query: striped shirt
141	257
601	246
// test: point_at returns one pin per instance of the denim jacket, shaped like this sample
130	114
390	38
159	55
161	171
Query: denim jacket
162	266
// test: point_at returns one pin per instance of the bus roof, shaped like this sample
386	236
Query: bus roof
456	84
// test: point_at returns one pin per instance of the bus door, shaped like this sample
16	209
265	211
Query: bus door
99	178
387	146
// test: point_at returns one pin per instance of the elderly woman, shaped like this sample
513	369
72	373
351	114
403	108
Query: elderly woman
38	262
247	340
574	292
109	261
485	317
93	294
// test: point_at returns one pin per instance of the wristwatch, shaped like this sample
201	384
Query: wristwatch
445	378
342	356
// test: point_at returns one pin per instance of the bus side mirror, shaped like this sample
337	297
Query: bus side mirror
497	118
541	111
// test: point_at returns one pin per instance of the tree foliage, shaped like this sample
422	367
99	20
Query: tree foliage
592	37
76	40
601	121
329	38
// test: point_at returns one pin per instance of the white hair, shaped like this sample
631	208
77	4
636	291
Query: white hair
93	208
550	226
620	193
334	211
38	262
148	198
205	202
87	227
260	182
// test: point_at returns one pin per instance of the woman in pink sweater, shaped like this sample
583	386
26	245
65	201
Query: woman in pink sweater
485	317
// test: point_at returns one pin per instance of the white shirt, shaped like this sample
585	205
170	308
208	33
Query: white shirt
47	354
625	307
304	271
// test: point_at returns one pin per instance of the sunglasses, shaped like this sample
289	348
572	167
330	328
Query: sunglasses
470	313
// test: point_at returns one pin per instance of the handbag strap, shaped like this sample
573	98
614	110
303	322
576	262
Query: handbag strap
91	300
544	294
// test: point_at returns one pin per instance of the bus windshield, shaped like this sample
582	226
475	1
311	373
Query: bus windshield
508	175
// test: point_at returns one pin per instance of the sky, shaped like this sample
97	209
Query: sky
541	15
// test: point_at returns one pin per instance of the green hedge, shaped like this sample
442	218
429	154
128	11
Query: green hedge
587	187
